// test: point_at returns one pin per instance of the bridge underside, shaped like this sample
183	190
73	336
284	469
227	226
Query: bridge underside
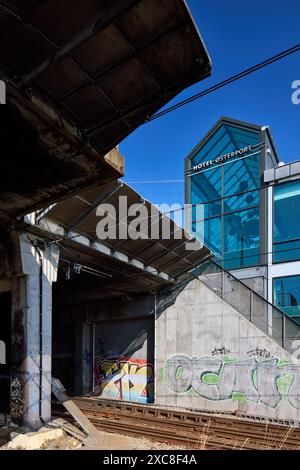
68	105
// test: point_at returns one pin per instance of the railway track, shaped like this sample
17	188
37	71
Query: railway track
183	428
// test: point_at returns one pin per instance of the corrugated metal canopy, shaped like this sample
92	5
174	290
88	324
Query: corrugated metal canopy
77	216
104	65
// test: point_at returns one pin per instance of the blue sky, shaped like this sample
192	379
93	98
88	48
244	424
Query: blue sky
236	38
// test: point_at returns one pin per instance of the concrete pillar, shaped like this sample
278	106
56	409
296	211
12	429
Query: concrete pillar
32	330
84	358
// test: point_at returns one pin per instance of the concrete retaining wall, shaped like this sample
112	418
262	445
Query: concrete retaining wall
210	357
115	339
124	349
124	360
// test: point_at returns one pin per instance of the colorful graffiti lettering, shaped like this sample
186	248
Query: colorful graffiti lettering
125	379
267	381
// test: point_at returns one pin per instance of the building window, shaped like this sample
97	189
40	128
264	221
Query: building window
241	239
287	296
286	222
230	197
210	231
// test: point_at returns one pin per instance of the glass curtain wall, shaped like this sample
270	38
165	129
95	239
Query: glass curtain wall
287	296
227	220
286	222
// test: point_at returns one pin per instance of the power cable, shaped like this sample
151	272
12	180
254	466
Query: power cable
228	81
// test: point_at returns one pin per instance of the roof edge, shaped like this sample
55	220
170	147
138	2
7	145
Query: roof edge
222	120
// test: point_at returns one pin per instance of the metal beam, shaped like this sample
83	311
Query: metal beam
97	85
193	266
101	24
145	248
93	205
135	52
118	222
16	16
154	103
165	253
153	243
179	258
43	212
65	242
117	246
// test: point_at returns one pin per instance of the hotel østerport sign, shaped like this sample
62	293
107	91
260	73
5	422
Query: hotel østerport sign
223	158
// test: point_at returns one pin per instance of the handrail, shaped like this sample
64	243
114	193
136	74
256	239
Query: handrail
271	330
256	293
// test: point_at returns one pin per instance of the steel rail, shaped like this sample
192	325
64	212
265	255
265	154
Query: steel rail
193	430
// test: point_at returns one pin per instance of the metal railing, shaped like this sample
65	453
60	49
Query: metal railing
269	319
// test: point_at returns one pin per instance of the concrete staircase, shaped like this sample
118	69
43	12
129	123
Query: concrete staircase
255	308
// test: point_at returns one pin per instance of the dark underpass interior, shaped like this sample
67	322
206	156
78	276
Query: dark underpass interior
5	339
116	322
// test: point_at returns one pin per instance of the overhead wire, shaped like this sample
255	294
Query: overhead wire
265	63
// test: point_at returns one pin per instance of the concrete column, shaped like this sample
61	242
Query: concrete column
32	333
84	358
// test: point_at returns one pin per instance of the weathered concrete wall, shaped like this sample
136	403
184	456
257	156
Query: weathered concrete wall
116	338
63	352
31	322
254	277
210	357
124	348
124	360
5	363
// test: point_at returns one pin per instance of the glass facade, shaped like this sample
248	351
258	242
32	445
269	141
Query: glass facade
287	296
229	222
227	186
286	237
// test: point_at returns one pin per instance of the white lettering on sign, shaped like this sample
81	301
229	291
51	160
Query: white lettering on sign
223	158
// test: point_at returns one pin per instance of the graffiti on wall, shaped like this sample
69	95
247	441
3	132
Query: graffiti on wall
259	381
17	400
121	378
220	351
257	352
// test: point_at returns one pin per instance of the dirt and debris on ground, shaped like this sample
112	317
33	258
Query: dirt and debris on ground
70	437
144	444
106	441
64	442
